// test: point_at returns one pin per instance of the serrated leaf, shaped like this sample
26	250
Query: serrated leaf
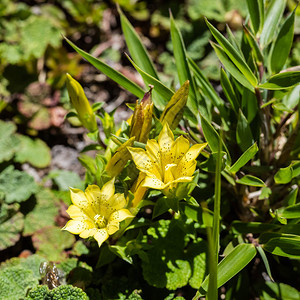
43	214
136	49
51	241
233	54
110	72
36	152
17	186
283	43
244	158
273	17
230	67
15	282
233	263
9	143
251	181
12	223
287	246
244	135
182	66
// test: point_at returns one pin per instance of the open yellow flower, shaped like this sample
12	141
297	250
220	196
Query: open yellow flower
96	212
166	162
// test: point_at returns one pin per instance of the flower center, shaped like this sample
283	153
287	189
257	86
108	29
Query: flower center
100	221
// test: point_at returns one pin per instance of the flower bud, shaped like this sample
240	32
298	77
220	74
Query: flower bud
81	104
173	111
118	161
142	118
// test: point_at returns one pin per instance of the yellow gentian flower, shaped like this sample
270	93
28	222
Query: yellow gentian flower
96	212
166	162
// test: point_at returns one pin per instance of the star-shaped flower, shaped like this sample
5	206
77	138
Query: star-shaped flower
166	162
96	212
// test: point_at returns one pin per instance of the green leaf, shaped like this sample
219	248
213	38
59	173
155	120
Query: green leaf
281	81
272	20
230	67
163	91
17	186
254	45
65	179
229	91
212	137
36	152
9	143
51	241
244	135
110	72
182	66
136	48
12	223
233	263
43	214
284	175
233	54
244	158
274	290
283	43
291	212
288	246
251	181
265	260
15	282
161	206
253	227
254	11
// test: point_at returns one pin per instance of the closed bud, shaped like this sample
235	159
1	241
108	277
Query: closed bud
118	161
81	104
142	118
173	111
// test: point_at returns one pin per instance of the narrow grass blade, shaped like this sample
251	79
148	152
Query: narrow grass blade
110	72
265	260
254	45
136	49
244	135
253	8
165	93
233	54
281	81
272	20
233	263
182	66
283	43
244	158
231	68
229	92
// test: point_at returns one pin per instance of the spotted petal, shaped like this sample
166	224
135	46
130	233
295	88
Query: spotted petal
165	141
87	233
93	195
76	227
100	236
108	189
118	201
79	199
181	147
153	183
120	215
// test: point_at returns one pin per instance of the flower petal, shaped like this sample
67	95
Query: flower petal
181	146
120	215
169	172
166	141
76	227
75	212
79	199
93	196
153	183
143	162
100	236
87	233
118	201
108	189
113	227
186	169
194	151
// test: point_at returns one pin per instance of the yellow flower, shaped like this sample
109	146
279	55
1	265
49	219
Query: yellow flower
166	162
96	212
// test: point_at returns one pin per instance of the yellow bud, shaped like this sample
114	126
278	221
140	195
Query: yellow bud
173	111
138	190
81	104
142	118
118	161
